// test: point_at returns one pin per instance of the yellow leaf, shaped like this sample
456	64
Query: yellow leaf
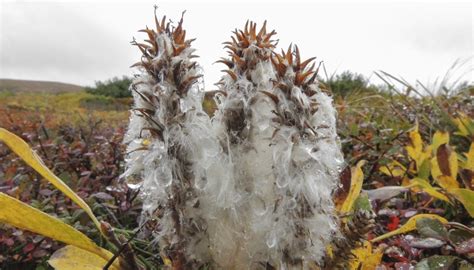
463	122
365	258
415	148
330	251
410	225
444	163
470	158
439	138
166	261
23	216
394	168
447	182
466	197
21	148
372	261
357	178
360	254
406	182
74	258
435	171
428	188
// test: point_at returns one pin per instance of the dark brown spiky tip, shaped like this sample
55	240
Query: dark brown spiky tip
150	48
304	74
260	42
242	39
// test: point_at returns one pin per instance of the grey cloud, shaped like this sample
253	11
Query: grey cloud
83	42
57	38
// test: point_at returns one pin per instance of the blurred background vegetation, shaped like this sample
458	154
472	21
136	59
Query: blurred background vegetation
115	87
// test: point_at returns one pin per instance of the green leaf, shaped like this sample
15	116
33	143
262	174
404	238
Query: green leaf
424	171
464	265
429	227
362	202
466	197
437	263
457	236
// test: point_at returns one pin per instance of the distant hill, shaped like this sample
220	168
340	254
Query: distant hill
37	86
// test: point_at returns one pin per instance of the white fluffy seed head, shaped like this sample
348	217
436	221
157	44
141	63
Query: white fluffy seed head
249	187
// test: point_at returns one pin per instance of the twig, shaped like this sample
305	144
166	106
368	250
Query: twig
125	247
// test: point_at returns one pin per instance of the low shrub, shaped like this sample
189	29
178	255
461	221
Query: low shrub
115	87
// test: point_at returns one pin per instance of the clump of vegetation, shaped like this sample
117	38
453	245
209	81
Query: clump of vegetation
104	103
236	191
388	131
55	109
347	82
115	88
88	157
368	130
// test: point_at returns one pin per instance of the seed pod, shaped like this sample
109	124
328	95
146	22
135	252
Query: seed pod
251	188
285	153
170	143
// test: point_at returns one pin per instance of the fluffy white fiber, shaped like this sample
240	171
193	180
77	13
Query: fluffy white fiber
252	186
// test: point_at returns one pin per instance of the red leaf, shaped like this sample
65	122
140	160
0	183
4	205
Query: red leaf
394	222
466	247
9	242
40	253
403	266
28	248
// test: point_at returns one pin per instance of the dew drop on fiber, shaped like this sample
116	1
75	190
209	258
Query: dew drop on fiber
134	186
201	183
271	240
163	176
282	181
259	206
291	204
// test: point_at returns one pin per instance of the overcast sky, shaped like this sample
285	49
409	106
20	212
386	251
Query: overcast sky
84	41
